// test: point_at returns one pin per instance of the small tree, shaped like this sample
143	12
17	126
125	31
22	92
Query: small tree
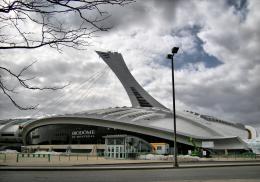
30	24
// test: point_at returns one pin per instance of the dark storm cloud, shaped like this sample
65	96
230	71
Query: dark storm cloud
141	13
238	4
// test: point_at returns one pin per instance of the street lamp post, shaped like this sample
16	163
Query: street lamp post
170	56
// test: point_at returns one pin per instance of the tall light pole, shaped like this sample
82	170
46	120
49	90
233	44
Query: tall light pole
170	56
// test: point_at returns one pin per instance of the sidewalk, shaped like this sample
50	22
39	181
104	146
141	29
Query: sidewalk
100	163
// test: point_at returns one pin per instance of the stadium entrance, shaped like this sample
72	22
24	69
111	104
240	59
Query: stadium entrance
125	146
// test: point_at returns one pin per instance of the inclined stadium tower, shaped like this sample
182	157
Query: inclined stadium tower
147	120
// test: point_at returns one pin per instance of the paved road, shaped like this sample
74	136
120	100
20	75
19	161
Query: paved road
237	174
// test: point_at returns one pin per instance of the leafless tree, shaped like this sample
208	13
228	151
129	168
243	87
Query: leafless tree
30	24
19	78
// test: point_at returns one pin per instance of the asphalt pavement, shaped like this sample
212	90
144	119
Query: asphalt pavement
210	174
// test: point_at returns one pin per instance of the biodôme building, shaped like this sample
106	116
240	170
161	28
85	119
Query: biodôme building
121	132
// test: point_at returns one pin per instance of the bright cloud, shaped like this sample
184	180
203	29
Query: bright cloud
217	68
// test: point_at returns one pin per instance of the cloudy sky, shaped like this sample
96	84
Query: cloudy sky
217	68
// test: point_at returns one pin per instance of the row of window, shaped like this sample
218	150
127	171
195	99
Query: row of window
140	99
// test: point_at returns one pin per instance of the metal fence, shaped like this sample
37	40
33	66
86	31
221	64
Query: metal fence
20	156
236	156
59	157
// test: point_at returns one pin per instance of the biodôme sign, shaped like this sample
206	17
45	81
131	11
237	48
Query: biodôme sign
83	134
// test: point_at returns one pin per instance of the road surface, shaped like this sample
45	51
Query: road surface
211	174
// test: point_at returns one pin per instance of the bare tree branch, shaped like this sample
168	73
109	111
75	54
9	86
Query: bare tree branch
23	82
30	24
53	28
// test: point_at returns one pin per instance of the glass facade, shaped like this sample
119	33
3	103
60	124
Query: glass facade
125	146
66	134
78	134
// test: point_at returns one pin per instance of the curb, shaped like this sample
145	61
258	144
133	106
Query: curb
73	168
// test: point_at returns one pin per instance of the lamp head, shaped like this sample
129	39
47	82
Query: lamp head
175	50
169	56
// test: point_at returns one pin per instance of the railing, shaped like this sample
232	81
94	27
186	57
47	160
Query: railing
247	155
56	157
28	155
77	158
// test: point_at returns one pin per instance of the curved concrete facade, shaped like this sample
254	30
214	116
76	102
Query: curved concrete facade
220	142
147	116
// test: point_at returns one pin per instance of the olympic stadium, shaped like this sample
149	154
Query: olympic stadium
123	131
